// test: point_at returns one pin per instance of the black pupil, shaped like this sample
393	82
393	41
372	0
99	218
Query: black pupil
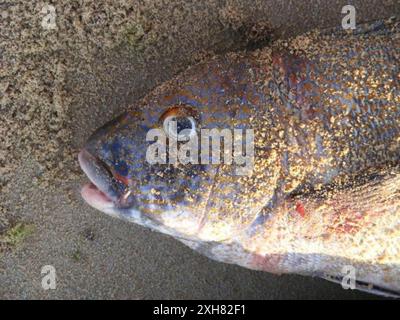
183	123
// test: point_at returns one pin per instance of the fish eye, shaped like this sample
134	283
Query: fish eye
179	123
179	127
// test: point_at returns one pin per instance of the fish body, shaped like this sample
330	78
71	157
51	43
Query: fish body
323	192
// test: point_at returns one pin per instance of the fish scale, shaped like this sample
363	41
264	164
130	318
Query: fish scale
309	118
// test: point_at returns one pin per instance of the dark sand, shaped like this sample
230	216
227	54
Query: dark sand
57	86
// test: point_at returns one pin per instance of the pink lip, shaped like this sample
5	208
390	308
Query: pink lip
94	197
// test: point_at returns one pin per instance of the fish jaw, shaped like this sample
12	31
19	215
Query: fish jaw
97	193
100	192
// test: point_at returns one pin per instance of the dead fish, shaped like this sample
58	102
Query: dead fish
323	194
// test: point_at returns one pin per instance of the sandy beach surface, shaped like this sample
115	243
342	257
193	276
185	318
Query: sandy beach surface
66	68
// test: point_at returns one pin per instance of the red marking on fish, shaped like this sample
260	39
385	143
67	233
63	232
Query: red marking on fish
121	178
300	209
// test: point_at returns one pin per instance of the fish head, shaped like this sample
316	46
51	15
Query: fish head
188	192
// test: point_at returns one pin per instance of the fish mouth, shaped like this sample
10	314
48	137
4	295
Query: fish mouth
102	192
